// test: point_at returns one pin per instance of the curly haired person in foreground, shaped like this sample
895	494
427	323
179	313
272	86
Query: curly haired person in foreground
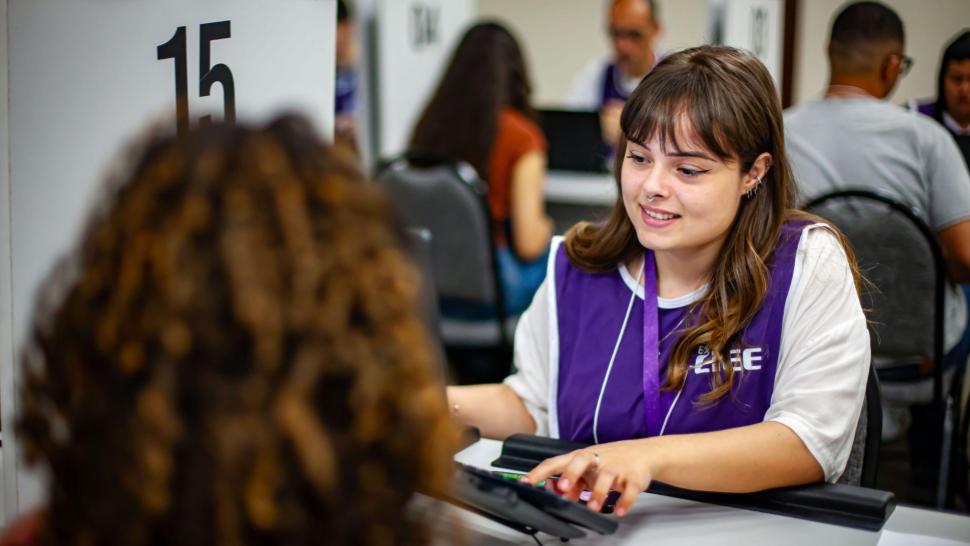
236	357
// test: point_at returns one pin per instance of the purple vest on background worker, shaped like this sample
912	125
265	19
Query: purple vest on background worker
611	89
590	309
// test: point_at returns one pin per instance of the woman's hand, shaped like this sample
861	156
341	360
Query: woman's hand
619	466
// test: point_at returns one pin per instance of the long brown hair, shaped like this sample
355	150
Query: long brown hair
238	358
728	98
486	73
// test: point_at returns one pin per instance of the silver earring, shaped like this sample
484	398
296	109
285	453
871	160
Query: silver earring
753	190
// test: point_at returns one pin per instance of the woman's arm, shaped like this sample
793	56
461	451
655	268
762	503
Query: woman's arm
744	459
495	409
809	427
531	228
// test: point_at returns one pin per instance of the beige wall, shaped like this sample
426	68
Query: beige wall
929	25
560	37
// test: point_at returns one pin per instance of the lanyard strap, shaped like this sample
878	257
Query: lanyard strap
651	347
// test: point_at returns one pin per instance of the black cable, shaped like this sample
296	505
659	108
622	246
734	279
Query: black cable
535	538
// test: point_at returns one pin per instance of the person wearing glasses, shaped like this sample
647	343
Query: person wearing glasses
605	84
853	138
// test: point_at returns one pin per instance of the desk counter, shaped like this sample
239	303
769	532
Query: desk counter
579	188
656	520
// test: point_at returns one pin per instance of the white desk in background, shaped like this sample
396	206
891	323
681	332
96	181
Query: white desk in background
580	188
571	196
656	520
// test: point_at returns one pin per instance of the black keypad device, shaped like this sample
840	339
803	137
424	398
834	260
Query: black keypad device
508	491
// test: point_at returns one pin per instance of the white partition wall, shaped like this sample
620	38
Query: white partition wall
415	39
6	343
755	25
87	75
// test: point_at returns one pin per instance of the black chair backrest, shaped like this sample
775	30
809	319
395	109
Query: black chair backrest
898	255
863	464
420	242
448	199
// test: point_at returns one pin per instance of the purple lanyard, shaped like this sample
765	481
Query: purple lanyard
651	347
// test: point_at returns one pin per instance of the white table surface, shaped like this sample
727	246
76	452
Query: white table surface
656	520
579	188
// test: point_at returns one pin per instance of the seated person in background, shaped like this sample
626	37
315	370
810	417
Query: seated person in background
604	85
481	114
345	79
952	104
706	324
853	139
233	356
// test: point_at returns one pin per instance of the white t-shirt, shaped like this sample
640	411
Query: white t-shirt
822	368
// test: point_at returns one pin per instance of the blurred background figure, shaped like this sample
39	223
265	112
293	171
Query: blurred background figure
952	104
345	95
604	85
854	139
233	357
481	113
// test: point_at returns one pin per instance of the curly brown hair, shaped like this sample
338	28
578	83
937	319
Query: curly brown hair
237	358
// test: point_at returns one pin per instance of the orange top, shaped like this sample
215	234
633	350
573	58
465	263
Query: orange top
25	530
515	136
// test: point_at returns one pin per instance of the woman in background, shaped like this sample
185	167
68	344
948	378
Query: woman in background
951	108
233	357
481	114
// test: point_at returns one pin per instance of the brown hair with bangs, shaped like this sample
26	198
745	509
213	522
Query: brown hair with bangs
729	101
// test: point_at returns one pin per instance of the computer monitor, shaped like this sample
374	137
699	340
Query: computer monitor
575	140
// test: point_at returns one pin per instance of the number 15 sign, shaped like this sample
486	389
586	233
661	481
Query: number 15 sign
87	75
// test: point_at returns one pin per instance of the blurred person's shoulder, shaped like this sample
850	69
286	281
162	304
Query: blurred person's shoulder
932	131
585	87
521	129
25	530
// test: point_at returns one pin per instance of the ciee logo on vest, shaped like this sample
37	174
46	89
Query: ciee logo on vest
748	359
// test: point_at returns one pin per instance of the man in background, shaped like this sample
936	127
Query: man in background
604	85
854	139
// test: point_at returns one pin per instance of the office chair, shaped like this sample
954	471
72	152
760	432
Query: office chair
899	256
448	199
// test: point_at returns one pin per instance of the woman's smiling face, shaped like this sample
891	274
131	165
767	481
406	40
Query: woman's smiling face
680	199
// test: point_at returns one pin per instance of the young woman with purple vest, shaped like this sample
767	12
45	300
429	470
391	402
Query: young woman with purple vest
706	334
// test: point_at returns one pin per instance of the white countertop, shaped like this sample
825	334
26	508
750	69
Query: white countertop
656	520
580	188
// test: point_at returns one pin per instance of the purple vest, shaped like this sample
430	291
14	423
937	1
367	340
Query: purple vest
345	91
590	309
611	90
927	109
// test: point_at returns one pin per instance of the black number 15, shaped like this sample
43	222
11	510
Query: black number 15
175	48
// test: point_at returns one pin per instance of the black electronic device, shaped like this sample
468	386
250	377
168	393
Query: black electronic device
530	508
525	451
575	140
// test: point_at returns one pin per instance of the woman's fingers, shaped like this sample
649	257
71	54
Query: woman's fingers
547	468
580	462
585	469
631	491
601	488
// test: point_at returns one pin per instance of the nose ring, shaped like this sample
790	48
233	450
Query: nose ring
650	198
